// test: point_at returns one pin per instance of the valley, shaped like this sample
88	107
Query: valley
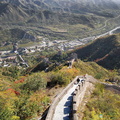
46	44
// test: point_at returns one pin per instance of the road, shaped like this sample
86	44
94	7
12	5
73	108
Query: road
105	25
106	22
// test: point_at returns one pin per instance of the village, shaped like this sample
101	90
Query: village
13	57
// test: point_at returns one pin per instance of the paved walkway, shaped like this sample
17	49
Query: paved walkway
63	109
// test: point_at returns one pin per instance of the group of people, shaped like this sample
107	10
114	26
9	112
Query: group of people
80	79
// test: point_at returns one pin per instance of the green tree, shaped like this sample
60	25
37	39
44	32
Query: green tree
34	82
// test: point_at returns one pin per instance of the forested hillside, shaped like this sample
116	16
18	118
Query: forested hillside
104	51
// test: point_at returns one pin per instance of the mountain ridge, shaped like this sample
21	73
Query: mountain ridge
66	5
27	10
104	50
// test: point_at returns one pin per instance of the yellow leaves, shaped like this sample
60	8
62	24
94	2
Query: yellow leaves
38	97
7	98
15	118
70	72
103	105
37	102
96	115
7	105
63	76
8	95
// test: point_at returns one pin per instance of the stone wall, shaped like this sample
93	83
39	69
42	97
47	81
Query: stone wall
58	98
77	98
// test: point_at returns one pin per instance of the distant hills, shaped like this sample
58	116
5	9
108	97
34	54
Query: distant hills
105	51
35	10
14	35
12	13
66	5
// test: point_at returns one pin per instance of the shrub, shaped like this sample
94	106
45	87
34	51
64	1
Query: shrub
34	82
99	89
7	106
29	106
57	78
103	104
63	76
98	76
11	71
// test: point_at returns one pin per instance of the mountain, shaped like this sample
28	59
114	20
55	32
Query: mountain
13	36
75	6
10	13
55	11
49	17
33	10
105	51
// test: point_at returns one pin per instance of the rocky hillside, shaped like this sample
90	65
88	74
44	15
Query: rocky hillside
10	13
22	10
14	35
105	51
67	5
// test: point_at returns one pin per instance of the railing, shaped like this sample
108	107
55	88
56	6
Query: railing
77	99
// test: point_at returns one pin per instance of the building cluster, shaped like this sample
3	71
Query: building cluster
14	57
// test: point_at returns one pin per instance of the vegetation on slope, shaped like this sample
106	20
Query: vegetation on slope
93	69
103	104
14	35
105	51
10	13
20	99
26	97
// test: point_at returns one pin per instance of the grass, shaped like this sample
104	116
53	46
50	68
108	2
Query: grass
93	69
29	44
10	47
